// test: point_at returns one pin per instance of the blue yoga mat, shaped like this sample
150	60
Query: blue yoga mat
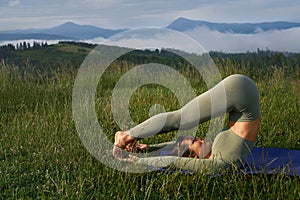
269	160
273	161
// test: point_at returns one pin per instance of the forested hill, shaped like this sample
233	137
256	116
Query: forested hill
44	57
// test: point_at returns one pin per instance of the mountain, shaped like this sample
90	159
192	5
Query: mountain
66	31
182	24
75	32
82	32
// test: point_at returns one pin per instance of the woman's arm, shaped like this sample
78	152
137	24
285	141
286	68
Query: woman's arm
190	164
199	165
167	145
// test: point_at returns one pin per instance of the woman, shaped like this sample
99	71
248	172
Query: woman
229	146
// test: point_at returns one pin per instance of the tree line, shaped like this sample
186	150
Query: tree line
23	46
42	57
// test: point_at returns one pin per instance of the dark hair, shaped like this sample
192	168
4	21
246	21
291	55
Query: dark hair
187	152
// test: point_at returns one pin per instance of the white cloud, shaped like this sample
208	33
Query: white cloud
98	40
13	3
284	40
155	38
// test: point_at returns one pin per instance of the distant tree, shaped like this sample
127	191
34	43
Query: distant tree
19	46
36	45
24	45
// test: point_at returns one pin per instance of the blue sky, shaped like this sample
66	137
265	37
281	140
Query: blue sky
22	14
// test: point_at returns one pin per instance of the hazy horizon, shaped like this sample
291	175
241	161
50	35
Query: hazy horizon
284	40
70	21
134	14
115	14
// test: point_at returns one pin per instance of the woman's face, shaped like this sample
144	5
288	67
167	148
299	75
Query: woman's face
200	148
195	147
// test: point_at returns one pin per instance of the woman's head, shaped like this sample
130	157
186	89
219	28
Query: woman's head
193	147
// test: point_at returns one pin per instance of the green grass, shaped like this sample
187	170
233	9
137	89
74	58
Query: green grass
42	157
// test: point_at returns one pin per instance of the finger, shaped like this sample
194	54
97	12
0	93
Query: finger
118	152
141	147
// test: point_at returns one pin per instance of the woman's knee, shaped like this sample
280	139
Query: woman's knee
240	84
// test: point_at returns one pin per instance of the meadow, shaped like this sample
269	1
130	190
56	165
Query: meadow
42	156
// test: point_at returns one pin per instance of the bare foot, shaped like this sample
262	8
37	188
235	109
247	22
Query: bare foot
123	141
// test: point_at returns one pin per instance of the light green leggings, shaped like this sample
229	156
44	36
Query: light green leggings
242	104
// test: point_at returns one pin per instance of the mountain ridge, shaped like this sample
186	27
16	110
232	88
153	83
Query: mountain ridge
183	24
76	32
68	30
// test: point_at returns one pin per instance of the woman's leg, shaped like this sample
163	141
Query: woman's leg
236	94
196	111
